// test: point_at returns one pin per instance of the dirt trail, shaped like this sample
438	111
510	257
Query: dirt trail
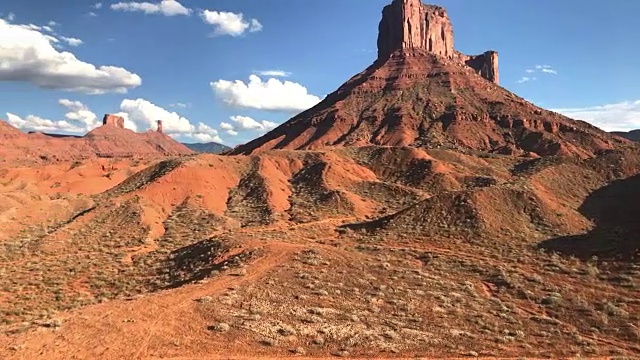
92	332
276	254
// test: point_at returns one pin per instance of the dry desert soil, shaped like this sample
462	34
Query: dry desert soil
321	254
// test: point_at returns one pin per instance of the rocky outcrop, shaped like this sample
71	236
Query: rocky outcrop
113	120
159	126
409	25
486	65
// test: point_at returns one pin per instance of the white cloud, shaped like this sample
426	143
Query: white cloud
11	16
276	73
228	23
272	95
27	54
72	41
97	5
52	23
36	123
78	119
165	7
179	105
226	126
245	123
547	69
525	79
145	114
92	14
77	111
623	116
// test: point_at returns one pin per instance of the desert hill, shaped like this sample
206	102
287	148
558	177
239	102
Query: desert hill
109	140
367	252
422	92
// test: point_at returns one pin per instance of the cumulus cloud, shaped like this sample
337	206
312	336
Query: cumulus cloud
28	55
145	114
245	123
78	119
77	111
11	16
276	73
97	5
228	23
71	41
36	123
226	126
165	7
271	95
623	116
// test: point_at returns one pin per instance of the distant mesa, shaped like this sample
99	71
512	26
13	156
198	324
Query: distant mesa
111	140
421	92
113	120
209	148
633	135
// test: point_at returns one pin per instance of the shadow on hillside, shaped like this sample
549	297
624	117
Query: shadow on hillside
614	209
200	261
194	262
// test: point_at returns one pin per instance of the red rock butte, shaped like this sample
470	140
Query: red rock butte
113	120
412	25
421	92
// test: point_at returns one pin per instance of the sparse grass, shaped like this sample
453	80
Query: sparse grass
454	289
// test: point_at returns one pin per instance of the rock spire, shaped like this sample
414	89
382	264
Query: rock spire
409	25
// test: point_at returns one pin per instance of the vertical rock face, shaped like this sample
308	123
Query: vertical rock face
408	25
159	126
486	65
113	120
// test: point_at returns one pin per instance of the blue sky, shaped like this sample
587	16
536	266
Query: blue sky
190	62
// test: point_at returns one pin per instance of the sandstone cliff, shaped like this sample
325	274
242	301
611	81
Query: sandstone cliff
113	120
411	25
